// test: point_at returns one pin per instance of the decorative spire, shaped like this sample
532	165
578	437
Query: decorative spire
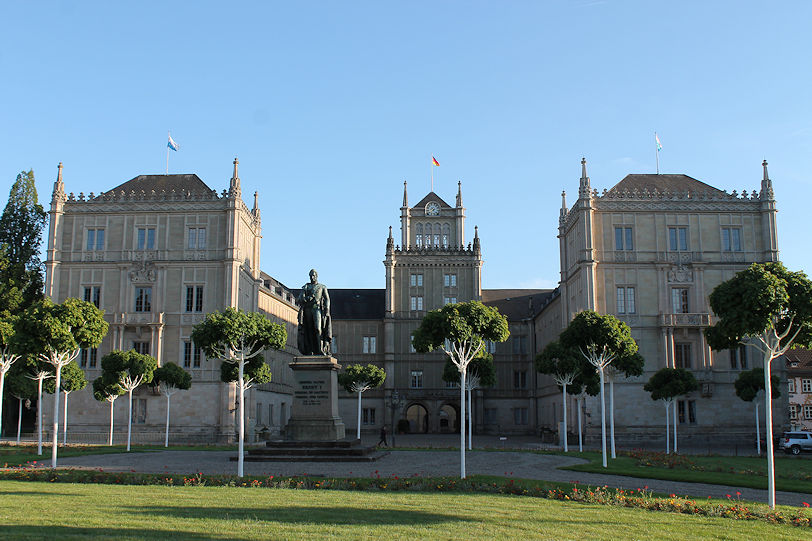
405	197
563	212
234	187
766	185
390	242
584	189
459	193
255	210
59	186
477	248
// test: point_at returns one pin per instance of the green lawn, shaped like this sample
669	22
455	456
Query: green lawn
792	474
68	511
14	455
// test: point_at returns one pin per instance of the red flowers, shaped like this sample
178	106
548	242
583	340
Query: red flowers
805	504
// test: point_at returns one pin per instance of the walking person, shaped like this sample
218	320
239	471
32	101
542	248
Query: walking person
382	441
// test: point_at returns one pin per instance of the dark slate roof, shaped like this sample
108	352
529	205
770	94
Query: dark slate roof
663	183
517	304
431	196
357	303
801	356
164	183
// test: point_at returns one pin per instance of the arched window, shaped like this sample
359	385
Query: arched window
437	231
427	236
419	235
446	235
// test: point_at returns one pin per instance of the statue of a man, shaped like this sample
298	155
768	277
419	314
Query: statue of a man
315	326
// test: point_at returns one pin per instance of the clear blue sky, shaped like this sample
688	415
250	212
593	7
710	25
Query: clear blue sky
330	106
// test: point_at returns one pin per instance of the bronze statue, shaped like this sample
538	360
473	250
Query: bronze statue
315	326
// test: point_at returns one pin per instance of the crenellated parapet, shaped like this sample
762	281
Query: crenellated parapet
428	250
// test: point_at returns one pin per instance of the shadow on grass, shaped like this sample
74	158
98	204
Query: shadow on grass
304	515
71	532
38	493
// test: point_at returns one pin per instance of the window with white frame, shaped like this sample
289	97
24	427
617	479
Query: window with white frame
807	412
418	238
624	238
145	238
452	384
793	412
450	280
368	416
491	346
738	357
682	356
194	298
446	235
196	238
626	300
679	300
416	381
95	239
731	239
370	344
417	303
143	299
449	300
806	385
93	295
677	238
790	385
416	280
88	357
191	355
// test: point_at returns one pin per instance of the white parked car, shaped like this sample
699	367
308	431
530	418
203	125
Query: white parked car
795	442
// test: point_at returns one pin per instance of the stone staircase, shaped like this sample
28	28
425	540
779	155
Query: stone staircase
313	451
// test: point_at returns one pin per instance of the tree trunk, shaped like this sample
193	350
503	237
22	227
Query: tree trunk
768	430
39	417
612	414
65	421
462	430
470	423
566	448
603	421
2	382
19	419
110	440
130	420
166	436
55	438
241	390
580	438
675	427
758	434
358	432
667	427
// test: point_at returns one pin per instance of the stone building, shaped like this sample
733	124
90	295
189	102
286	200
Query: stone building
799	388
157	253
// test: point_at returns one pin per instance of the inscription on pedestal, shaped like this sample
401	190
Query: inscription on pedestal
312	392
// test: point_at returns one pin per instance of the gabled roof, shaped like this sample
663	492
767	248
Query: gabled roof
663	183
432	197
517	304
801	356
164	183
357	303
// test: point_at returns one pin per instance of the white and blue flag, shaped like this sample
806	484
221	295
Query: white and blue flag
172	144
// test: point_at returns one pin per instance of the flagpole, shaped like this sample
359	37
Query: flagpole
431	166
168	135
657	152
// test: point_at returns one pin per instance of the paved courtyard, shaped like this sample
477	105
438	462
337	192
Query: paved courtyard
505	459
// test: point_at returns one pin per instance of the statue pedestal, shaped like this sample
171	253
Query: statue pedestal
314	414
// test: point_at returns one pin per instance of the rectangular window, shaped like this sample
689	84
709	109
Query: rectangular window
139	411
682	356
793	412
416	380
146	238
370	345
686	411
806	385
191	355
259	414
450	280
417	303
491	345
807	412
194	298
520	416
520	379
678	238
197	238
519	345
368	416
95	239
93	295
731	239
141	347
624	238
143	299
449	300
791	386
452	384
679	300
491	416
738	358
625	300
88	357
416	280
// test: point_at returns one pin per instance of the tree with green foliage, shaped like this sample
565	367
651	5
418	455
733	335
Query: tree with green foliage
56	333
7	356
466	326
666	384
564	366
108	390
171	378
748	385
21	226
359	378
238	338
73	379
20	386
601	341
769	308
481	373
129	369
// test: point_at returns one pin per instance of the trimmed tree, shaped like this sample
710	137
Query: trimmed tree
171	378
40	374
73	379
238	338
466	326
7	356
748	385
105	390
129	369
666	384
359	378
56	332
769	308
625	366
481	373
20	385
601	340
560	363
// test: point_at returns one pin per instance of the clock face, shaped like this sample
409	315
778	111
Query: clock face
433	209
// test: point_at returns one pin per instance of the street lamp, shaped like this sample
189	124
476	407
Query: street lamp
395	403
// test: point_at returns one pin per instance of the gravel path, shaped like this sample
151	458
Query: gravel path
408	463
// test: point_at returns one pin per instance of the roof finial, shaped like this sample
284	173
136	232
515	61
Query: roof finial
234	187
405	197
236	164
477	248
256	201
59	186
390	232
584	189
459	193
583	168
59	172
766	185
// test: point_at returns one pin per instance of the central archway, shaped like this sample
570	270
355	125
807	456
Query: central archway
449	419
418	417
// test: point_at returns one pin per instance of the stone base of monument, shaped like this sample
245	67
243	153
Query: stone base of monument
314	451
314	412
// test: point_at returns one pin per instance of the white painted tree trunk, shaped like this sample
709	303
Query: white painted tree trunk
462	429
768	431
564	392
667	427
612	414
110	439
358	431
39	417
241	390
55	438
130	418
470	422
580	437
758	432
676	422
166	435
65	421
2	383
19	419
603	420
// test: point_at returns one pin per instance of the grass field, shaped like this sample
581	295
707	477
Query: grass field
792	474
69	511
15	455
